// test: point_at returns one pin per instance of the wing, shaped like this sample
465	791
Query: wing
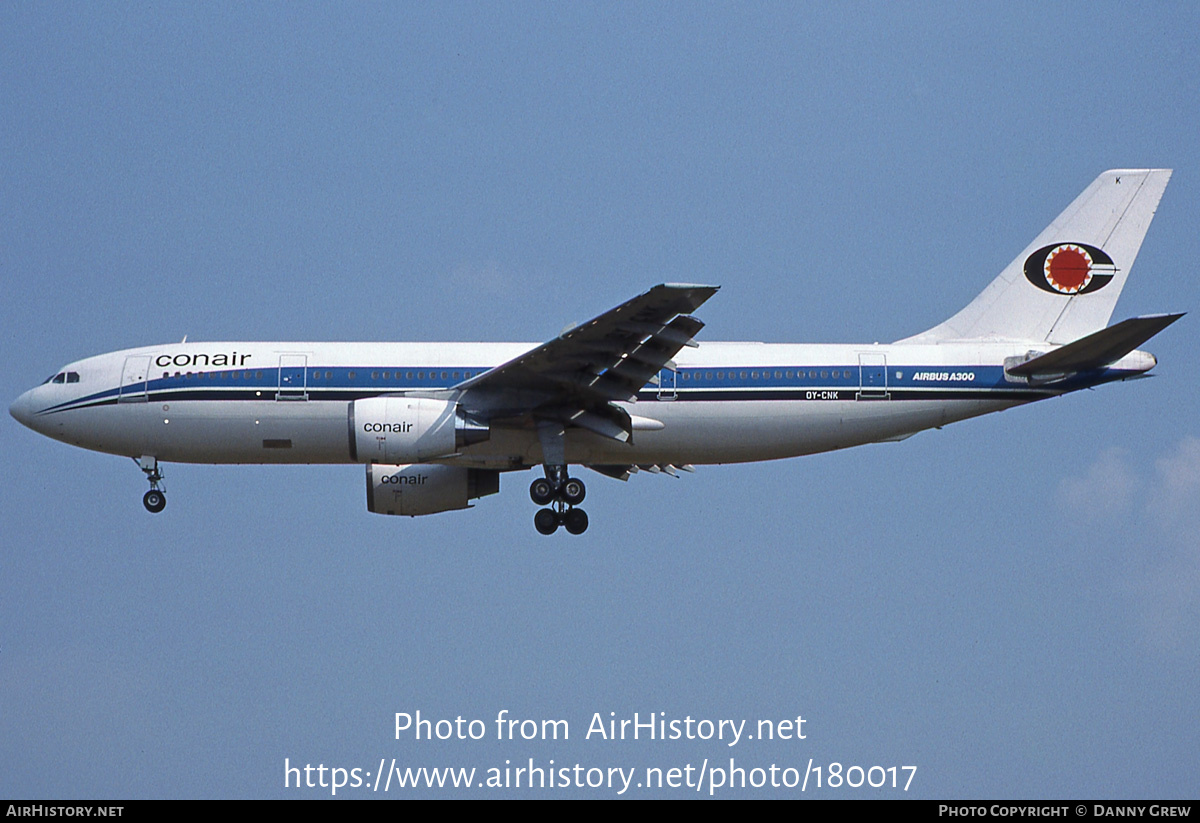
577	378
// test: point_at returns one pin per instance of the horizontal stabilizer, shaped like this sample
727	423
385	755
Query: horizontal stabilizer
1098	349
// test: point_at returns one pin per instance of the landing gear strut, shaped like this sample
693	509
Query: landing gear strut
154	500
562	493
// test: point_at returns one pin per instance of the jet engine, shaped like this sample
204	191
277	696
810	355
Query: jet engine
409	429
424	488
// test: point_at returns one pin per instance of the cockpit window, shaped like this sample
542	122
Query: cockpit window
61	377
72	377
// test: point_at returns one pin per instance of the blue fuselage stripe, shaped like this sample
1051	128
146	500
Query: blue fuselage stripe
707	383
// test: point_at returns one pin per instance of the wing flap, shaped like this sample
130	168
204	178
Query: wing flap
623	472
615	472
605	425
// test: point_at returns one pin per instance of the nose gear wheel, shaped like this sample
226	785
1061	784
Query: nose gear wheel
154	500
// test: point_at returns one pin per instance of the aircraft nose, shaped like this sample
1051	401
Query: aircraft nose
22	409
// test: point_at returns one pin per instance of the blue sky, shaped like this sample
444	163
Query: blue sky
1011	604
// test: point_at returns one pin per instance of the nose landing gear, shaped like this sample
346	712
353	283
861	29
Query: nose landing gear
154	500
563	494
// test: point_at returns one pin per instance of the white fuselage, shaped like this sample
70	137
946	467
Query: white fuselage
723	402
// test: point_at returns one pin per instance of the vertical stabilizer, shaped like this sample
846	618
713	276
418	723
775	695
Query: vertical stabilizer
1066	283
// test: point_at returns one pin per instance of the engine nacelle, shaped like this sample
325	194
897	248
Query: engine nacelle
423	488
399	430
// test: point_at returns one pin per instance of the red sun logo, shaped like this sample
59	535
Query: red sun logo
1068	269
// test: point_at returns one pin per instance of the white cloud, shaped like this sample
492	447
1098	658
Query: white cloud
1107	487
1173	582
1166	553
1175	496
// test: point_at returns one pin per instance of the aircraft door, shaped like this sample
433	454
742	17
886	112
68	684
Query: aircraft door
293	377
872	372
666	384
133	379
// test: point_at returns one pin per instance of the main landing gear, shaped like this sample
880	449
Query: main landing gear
154	500
562	494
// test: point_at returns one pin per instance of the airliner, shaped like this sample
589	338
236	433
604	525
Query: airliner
437	424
